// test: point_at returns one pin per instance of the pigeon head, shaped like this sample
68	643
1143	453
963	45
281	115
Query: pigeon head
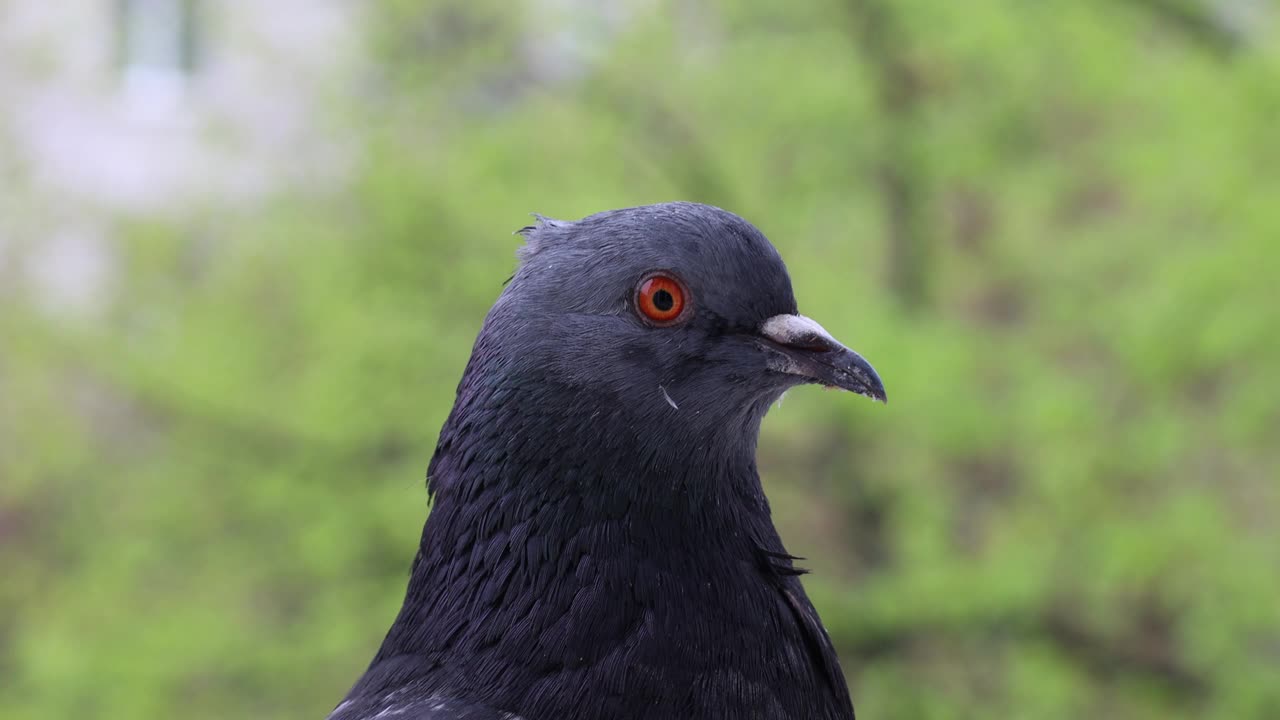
678	310
597	507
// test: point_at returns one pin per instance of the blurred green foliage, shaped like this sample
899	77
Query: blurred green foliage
1052	226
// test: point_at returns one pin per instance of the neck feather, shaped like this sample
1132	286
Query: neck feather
533	481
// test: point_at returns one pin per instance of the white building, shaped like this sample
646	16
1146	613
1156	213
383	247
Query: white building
153	107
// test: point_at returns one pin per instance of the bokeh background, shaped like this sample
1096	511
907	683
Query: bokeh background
245	247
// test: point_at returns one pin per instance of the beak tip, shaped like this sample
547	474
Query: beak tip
870	385
877	394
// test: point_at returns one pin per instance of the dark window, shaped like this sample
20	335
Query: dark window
158	36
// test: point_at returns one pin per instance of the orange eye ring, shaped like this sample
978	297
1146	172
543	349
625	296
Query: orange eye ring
661	300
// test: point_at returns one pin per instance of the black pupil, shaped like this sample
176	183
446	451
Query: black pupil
663	300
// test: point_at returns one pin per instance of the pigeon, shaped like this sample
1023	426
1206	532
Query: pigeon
599	545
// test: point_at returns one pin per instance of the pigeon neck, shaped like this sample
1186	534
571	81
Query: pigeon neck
542	441
526	492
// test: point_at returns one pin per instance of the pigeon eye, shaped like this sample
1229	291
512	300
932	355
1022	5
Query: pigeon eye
661	300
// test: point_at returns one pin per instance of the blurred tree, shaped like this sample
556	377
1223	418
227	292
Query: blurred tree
1202	22
210	497
906	185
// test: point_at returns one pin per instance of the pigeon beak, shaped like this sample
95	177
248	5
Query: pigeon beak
802	347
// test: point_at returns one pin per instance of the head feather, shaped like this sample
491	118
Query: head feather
535	235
